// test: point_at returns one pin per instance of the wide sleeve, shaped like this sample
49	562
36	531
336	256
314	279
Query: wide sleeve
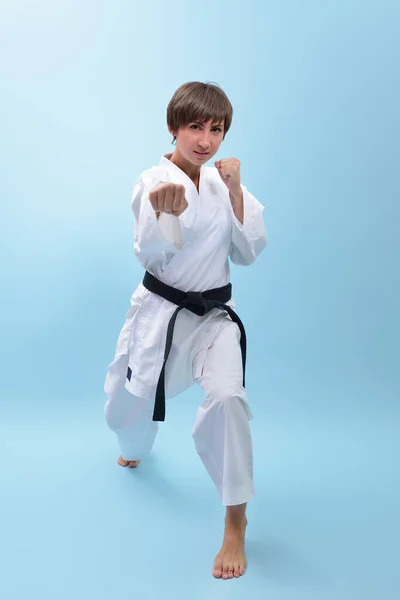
249	238
156	240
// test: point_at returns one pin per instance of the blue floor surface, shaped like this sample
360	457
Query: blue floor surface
323	525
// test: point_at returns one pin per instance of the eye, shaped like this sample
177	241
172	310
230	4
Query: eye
194	126
217	129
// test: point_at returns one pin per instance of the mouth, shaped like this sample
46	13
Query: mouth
202	154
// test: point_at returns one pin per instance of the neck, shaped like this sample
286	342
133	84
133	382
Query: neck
191	170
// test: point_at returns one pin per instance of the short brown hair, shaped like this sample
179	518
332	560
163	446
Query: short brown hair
197	101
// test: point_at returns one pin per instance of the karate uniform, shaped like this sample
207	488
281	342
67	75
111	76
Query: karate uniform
190	253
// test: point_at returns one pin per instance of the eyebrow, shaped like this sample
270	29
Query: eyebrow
213	125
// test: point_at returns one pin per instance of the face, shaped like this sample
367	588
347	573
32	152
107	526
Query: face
198	142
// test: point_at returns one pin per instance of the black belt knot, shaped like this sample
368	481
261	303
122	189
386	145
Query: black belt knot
199	303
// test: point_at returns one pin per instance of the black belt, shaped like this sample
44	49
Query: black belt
199	303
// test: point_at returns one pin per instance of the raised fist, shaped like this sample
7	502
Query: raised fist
229	170
168	197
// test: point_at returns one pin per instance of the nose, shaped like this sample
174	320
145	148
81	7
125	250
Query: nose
204	141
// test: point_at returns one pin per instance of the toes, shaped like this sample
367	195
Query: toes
124	463
217	569
228	570
217	572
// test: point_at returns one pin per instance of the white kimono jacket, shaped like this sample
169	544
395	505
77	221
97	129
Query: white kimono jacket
190	253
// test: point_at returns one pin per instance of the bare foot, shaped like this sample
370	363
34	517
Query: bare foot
125	463
231	560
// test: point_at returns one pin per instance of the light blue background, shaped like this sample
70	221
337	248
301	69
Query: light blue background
83	92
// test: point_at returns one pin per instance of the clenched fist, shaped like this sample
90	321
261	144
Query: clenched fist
169	198
229	170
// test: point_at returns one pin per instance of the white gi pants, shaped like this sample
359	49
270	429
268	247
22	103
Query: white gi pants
221	432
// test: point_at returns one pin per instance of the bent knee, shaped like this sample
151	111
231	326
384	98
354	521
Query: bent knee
229	399
227	395
222	409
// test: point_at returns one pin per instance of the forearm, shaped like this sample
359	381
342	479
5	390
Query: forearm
249	236
238	205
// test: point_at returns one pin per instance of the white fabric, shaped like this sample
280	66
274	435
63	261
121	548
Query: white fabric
191	253
221	432
208	233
